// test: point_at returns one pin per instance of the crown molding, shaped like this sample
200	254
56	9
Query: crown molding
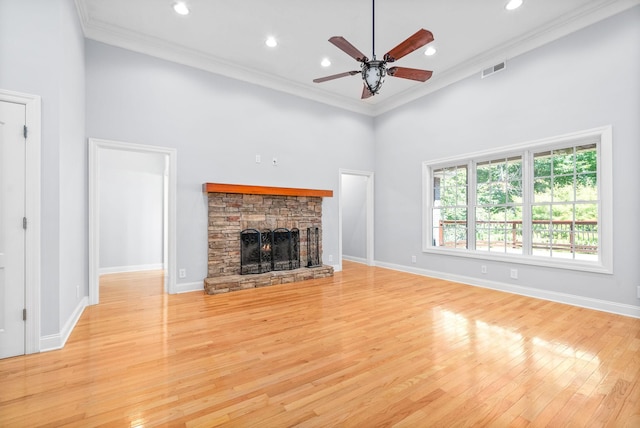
161	49
138	42
554	30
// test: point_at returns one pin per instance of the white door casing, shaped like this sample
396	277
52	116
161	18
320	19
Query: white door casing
30	108
32	234
12	229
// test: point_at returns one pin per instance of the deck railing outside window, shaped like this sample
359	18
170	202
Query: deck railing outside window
556	236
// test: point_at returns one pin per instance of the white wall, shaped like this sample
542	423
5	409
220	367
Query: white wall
585	80
74	223
354	216
42	53
131	205
218	126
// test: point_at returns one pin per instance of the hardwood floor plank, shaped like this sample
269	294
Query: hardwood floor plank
369	347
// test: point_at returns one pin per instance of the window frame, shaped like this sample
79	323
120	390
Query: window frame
602	136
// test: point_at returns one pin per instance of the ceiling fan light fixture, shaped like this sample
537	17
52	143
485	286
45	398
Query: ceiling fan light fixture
325	62
513	4
373	74
181	8
430	51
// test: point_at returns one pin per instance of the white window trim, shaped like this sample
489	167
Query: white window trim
605	215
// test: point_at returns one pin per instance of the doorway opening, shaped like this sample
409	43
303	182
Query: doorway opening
102	154
356	216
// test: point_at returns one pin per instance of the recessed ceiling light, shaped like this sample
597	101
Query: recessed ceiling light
181	8
271	42
430	51
513	4
325	62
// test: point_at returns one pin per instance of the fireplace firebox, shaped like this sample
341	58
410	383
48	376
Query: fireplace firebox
267	250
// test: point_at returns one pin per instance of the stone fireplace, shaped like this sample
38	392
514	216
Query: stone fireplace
242	217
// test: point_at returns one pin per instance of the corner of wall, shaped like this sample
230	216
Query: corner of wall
52	342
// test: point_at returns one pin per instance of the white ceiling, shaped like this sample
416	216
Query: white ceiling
227	37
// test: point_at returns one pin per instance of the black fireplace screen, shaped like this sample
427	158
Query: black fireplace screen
268	250
285	252
255	251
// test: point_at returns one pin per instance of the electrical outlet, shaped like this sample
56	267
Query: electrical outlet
275	161
514	273
483	269
182	273
258	159
330	257
413	259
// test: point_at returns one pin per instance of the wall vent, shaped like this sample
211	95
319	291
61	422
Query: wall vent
494	69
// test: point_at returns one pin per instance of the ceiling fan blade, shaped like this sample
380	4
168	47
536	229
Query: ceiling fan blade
335	76
366	93
410	73
419	39
348	48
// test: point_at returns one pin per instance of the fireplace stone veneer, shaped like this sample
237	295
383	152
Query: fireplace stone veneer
234	208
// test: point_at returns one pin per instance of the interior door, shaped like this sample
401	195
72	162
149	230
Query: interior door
12	228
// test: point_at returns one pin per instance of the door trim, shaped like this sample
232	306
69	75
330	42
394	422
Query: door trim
369	214
96	146
33	110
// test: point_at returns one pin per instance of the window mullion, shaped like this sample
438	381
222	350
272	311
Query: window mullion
471	205
527	199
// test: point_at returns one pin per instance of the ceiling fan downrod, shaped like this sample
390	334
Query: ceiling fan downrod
373	28
374	71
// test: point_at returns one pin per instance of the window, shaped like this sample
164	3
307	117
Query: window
564	209
498	205
547	202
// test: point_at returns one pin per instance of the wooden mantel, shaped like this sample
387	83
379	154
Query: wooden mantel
263	190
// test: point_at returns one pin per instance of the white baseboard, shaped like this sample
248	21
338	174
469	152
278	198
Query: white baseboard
569	299
187	287
134	268
57	341
355	259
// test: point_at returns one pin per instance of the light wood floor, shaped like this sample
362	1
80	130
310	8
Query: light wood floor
369	347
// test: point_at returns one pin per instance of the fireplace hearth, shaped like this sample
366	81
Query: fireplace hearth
257	236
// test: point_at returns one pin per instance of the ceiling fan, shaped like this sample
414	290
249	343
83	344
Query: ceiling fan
373	70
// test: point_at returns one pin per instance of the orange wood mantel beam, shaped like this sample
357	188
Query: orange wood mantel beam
263	190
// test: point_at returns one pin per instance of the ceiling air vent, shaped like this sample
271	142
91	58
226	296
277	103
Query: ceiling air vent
489	71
